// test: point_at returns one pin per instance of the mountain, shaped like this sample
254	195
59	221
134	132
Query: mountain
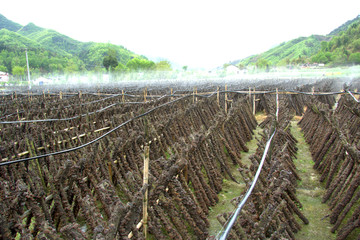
342	43
344	46
9	25
344	26
51	51
287	52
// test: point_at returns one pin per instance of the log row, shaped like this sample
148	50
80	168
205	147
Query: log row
334	138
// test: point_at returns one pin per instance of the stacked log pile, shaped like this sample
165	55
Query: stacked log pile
269	211
97	192
334	139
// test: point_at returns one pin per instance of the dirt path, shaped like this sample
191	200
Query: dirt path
310	192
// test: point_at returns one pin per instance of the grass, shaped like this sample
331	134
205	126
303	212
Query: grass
230	188
309	190
310	193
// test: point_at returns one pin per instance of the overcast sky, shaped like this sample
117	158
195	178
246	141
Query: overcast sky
195	33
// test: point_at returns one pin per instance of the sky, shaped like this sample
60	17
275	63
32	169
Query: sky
193	33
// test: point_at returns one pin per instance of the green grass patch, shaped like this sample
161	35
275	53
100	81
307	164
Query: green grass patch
231	189
310	192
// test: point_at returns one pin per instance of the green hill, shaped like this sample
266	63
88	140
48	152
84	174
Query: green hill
51	51
339	47
294	51
9	25
343	48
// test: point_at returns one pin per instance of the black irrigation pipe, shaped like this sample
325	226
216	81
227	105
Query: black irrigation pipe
233	218
58	119
74	117
86	114
69	106
98	138
173	95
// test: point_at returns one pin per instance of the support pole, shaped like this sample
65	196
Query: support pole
277	105
145	94
196	99
123	96
226	99
110	172
146	180
218	96
28	70
254	101
250	94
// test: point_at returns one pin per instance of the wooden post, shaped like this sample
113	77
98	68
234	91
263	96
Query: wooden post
110	171
80	94
44	94
194	95
196	99
226	99
277	105
17	111
60	94
171	93
250	94
312	90
123	96
146	180
254	101
218	96
145	93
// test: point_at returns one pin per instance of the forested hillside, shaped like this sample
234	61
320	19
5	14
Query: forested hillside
343	48
340	47
53	52
294	51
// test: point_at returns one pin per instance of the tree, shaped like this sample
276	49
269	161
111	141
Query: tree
262	64
185	68
110	61
163	66
356	45
3	68
355	58
137	64
18	71
120	68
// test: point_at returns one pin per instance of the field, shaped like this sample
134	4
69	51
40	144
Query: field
74	161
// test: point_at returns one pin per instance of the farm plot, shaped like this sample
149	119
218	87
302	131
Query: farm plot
88	181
